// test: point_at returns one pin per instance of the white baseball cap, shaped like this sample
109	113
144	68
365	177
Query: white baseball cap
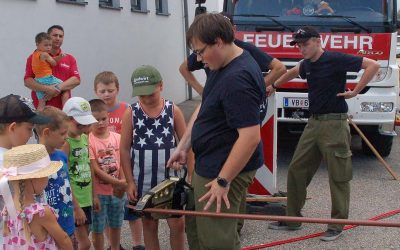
80	110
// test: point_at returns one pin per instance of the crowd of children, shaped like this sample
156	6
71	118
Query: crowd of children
86	166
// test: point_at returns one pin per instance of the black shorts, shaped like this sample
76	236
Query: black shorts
88	213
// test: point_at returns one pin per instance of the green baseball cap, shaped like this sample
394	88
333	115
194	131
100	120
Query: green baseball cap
144	80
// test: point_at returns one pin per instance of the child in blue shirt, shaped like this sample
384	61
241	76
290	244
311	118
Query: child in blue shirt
58	191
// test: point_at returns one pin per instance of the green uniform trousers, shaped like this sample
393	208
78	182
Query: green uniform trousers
325	137
216	233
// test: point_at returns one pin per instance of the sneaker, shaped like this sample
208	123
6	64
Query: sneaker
120	248
138	247
279	225
330	235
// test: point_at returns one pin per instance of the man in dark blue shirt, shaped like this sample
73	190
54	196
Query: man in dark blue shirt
327	134
264	61
224	132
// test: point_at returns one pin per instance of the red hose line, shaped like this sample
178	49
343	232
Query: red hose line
273	218
305	237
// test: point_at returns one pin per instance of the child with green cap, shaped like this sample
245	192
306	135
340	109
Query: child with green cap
149	129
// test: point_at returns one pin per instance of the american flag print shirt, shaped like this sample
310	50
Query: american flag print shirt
153	143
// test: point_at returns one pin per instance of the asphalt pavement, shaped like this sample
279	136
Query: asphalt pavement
373	192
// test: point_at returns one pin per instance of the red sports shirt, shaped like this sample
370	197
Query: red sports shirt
65	69
115	117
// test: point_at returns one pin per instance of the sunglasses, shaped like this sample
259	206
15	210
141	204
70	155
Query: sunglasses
302	34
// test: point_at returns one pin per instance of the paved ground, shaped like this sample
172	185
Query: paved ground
373	192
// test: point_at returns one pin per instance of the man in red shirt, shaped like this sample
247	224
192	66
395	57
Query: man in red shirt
66	70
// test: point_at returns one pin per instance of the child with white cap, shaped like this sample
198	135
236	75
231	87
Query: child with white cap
29	224
80	173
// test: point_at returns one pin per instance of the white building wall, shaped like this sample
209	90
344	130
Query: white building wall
100	39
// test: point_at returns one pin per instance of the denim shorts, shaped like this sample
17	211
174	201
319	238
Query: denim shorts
111	213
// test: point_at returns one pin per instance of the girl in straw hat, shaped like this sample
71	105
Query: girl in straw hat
29	224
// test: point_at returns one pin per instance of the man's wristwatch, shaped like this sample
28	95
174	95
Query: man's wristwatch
222	182
57	87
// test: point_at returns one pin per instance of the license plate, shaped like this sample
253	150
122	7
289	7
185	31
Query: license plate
295	102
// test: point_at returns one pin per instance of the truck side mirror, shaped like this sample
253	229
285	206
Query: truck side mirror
200	10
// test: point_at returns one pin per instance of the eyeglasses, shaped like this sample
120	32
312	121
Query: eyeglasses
201	51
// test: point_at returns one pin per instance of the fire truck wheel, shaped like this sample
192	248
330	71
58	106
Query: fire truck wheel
382	144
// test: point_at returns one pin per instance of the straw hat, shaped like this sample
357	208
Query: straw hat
28	162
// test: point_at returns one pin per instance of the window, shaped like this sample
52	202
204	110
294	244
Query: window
110	4
77	2
162	7
352	15
139	6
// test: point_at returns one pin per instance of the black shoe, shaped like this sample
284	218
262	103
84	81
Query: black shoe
279	225
330	235
138	247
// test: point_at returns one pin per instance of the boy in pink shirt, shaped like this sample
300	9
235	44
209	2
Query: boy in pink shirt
106	87
109	181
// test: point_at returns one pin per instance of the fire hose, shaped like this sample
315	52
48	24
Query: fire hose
158	201
310	236
272	217
350	224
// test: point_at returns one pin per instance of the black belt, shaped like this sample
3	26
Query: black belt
330	116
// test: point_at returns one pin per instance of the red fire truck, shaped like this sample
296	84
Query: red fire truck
360	27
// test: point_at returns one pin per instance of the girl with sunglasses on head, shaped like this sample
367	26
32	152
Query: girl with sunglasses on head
29	224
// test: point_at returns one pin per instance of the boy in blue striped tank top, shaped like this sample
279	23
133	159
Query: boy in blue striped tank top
149	130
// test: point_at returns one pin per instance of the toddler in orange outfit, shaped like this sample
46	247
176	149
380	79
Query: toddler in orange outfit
41	67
